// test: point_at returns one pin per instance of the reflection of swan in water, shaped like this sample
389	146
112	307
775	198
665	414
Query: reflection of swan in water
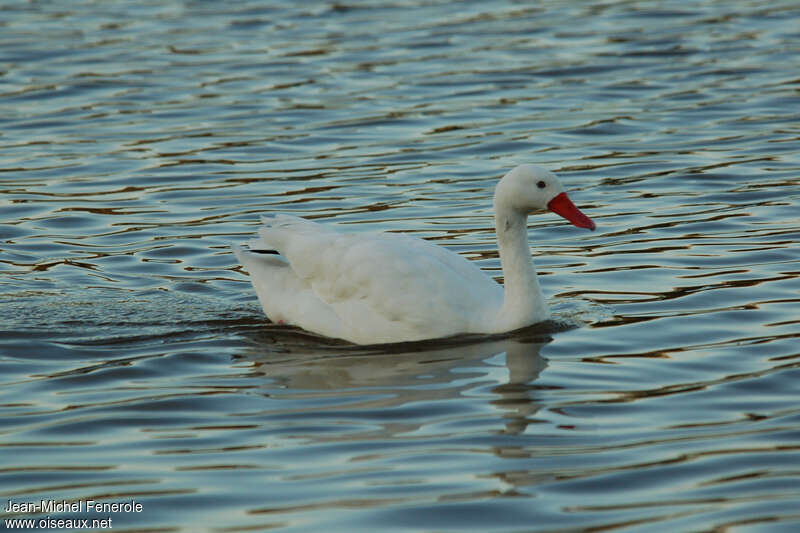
524	366
298	366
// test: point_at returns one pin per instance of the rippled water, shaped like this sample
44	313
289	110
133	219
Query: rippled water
139	139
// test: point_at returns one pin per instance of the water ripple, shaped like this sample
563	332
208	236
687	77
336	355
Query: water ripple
140	140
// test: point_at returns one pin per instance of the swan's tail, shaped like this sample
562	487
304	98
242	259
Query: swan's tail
275	234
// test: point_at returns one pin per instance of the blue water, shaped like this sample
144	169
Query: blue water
138	140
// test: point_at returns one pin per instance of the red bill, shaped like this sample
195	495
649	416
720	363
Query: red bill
562	205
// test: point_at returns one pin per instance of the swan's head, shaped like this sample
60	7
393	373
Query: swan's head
529	188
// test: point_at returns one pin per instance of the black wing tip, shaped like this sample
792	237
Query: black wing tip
273	252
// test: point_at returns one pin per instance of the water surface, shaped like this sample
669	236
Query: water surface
139	140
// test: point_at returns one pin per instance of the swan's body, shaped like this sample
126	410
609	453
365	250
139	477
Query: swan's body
385	287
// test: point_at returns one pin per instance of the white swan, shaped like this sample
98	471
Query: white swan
370	288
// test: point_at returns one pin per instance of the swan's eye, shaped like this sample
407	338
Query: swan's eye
541	184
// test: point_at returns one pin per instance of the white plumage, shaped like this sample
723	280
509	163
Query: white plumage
386	287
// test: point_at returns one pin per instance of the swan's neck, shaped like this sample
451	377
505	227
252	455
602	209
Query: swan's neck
523	303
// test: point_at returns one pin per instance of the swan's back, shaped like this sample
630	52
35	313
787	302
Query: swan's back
366	287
